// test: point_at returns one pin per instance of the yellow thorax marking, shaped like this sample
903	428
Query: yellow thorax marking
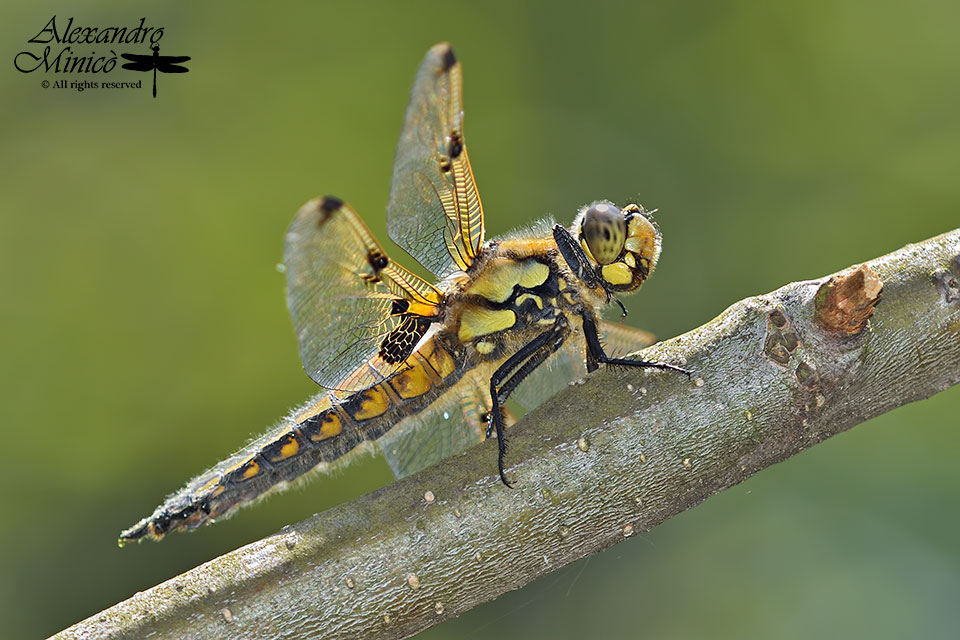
497	281
535	274
485	347
477	322
520	248
530	296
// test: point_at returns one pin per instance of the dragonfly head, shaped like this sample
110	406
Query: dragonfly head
622	244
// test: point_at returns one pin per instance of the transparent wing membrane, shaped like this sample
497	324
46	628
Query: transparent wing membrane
454	422
620	339
434	211
350	304
569	364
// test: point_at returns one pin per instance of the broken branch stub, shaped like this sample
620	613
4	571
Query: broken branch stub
845	301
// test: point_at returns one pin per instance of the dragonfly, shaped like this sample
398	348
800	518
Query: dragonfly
155	62
424	368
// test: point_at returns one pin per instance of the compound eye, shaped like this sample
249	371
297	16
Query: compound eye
604	230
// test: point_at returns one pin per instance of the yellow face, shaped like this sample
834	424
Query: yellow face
622	245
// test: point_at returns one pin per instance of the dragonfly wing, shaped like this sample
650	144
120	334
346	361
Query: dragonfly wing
451	424
620	339
434	211
357	314
140	63
558	371
569	364
164	67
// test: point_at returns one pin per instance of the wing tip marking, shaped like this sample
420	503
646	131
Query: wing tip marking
447	56
329	204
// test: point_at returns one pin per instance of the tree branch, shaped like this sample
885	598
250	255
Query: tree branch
615	455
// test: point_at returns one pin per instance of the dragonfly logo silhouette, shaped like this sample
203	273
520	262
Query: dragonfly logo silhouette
155	62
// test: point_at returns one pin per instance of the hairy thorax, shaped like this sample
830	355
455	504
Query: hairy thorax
517	289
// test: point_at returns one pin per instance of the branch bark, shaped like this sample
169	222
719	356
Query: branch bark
617	454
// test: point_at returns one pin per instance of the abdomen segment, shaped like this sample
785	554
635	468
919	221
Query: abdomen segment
329	427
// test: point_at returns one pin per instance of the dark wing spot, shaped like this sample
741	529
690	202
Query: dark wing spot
399	306
399	343
378	261
449	59
456	146
329	204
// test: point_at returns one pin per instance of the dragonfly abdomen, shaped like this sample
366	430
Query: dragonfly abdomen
328	428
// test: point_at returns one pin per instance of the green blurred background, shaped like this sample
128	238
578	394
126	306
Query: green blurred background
144	332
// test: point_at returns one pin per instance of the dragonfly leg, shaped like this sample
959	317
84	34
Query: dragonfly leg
511	373
596	355
575	257
578	262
